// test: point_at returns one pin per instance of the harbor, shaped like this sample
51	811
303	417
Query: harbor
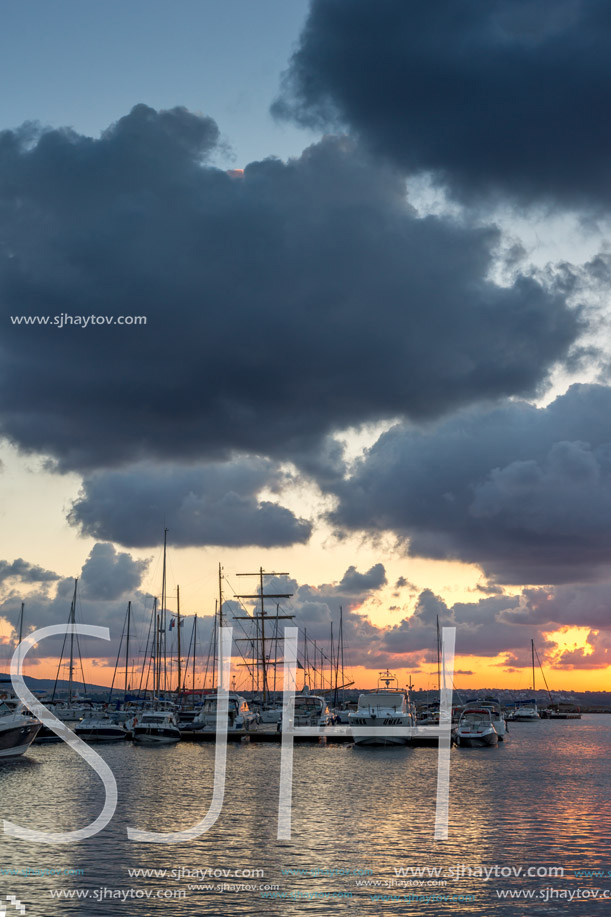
305	459
373	812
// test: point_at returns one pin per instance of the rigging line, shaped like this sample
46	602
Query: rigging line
188	660
80	659
210	649
323	655
147	658
114	674
61	659
248	665
543	673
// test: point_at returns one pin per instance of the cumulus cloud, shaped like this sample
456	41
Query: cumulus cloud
108	579
298	299
494	625
108	574
502	98
215	504
25	572
521	491
355	582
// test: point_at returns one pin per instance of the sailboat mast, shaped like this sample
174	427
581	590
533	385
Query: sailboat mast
532	651
72	621
194	645
21	622
438	659
129	615
263	666
341	643
163	607
178	633
156	661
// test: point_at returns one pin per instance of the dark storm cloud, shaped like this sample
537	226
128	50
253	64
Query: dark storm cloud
215	504
501	96
524	492
20	569
301	298
584	605
483	628
108	574
353	581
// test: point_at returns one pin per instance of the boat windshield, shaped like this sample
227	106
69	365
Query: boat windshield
210	705
393	700
308	703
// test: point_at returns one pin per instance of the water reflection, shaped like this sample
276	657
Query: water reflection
540	799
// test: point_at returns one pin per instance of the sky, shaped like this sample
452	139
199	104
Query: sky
371	246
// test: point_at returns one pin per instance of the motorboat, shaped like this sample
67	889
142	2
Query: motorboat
269	715
100	728
310	710
428	714
155	727
18	729
526	712
475	728
240	718
494	706
70	714
387	706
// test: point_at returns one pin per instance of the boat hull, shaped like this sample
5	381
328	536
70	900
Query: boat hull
380	740
151	736
476	741
108	734
360	722
16	740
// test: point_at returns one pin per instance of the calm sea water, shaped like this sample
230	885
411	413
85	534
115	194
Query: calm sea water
542	799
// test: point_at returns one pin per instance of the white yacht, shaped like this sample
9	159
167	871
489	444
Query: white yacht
68	713
496	714
99	727
239	717
268	714
309	710
155	727
18	729
475	728
526	712
387	706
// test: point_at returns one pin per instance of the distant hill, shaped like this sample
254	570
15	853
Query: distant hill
45	685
